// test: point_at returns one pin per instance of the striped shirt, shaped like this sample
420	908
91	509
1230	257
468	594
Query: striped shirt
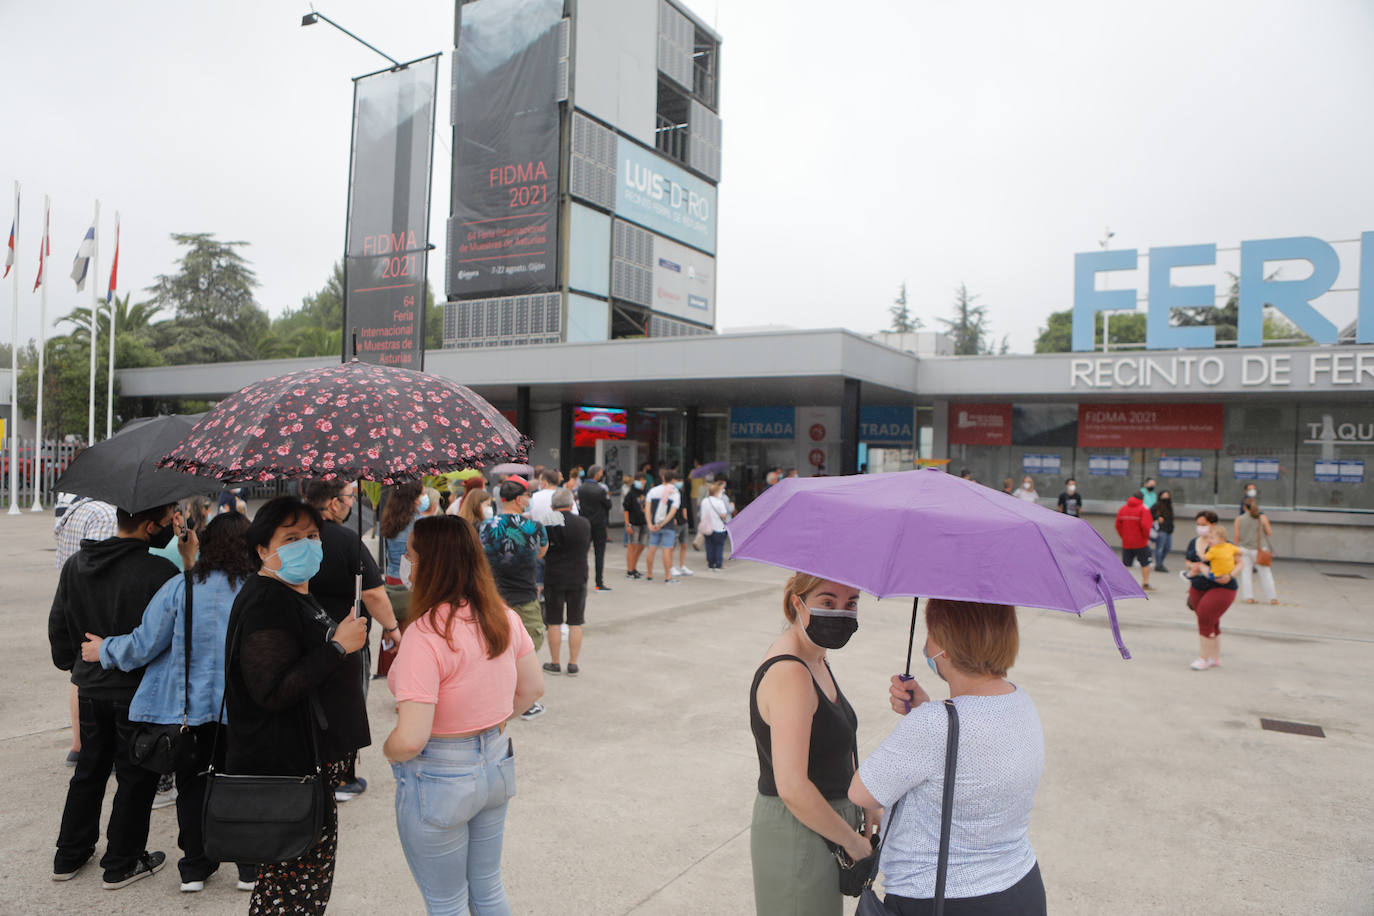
87	519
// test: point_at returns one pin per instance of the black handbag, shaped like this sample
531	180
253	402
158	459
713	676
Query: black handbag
869	904
262	820
164	748
855	876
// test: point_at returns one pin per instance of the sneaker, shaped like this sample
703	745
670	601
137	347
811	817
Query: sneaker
72	758
573	670
683	570
350	790
1200	664
1161	569
1147	586
632	574
554	667
533	712
164	797
1183	574
245	885
150	863
648	578
192	887
67	875
603	588
671	581
1213	663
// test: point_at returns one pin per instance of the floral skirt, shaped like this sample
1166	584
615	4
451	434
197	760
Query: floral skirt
303	885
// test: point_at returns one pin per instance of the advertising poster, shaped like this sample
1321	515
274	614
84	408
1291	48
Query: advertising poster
1196	426
1255	469
1049	465
1109	465
593	423
385	260
1180	467
504	232
659	196
980	424
763	422
684	282
1342	471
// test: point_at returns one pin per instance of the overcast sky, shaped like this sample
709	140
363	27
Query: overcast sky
865	144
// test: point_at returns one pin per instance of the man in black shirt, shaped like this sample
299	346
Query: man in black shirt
104	589
565	581
334	586
1070	503
595	504
636	524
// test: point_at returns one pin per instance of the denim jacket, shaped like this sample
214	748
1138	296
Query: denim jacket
158	642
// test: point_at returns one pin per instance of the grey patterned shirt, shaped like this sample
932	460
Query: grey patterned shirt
1001	756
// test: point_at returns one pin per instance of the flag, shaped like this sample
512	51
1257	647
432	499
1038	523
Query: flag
114	266
9	253
44	249
82	265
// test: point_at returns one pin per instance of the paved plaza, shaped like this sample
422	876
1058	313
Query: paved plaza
1161	792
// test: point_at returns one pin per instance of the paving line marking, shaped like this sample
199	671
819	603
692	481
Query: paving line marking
675	878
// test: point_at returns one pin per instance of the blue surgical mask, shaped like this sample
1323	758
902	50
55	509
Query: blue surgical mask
300	561
424	503
930	660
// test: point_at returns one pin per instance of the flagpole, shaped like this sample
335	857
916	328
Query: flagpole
95	307
110	303
42	348
14	369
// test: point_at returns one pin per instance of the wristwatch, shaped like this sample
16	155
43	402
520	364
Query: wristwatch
338	647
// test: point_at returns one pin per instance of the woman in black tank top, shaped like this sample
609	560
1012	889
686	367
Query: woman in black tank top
804	731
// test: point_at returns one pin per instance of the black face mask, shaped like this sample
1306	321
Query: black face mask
161	538
831	629
1150	489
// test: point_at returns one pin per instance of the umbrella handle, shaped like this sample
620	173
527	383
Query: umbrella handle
904	678
910	646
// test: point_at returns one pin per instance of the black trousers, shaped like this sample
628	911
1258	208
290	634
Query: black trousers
599	552
106	738
1024	898
190	776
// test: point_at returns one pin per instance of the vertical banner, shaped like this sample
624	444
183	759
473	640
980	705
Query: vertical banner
503	234
980	424
386	257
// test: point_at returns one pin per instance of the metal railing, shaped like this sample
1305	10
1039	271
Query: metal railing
671	138
56	457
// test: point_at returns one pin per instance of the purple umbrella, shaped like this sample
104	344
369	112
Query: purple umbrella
710	467
934	535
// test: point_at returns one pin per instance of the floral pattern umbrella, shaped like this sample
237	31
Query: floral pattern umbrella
353	421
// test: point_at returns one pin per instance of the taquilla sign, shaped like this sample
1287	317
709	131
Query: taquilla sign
1293	298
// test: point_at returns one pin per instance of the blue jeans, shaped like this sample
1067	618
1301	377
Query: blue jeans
451	815
715	550
1163	541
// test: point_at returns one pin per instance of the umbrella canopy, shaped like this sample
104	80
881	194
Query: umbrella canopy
710	467
123	470
513	468
354	421
928	534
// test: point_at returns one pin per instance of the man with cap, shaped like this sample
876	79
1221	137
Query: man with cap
513	544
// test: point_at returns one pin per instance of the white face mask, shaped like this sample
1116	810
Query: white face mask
407	571
488	511
1252	492
1071	488
1202	530
1026	486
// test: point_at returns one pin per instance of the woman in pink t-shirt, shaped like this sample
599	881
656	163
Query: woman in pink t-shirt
467	665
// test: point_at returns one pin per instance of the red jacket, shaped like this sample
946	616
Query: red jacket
1133	523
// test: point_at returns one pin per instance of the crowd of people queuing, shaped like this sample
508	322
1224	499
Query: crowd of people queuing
246	632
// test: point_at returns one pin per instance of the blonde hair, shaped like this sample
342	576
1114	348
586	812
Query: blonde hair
799	584
978	638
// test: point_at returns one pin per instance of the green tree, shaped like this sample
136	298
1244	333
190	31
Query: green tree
1057	335
969	326
902	320
210	293
66	387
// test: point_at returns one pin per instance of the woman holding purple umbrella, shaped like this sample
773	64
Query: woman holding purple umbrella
991	869
804	732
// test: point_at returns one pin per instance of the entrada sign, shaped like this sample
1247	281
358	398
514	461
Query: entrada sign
1291	297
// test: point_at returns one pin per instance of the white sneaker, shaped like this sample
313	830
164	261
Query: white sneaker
192	887
246	885
685	571
677	570
1200	664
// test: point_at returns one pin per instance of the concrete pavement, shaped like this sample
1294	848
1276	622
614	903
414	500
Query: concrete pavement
1161	792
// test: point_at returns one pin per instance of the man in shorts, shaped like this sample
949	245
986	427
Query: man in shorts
662	505
513	544
565	582
1133	523
636	526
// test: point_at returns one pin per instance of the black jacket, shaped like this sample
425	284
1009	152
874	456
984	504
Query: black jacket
594	503
103	589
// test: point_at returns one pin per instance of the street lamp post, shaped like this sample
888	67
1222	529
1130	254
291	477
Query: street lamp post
1105	243
312	17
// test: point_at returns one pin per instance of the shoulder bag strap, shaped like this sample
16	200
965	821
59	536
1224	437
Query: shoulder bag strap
947	806
186	638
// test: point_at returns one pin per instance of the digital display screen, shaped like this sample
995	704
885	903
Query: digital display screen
593	423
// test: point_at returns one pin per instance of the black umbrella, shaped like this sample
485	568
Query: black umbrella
123	471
